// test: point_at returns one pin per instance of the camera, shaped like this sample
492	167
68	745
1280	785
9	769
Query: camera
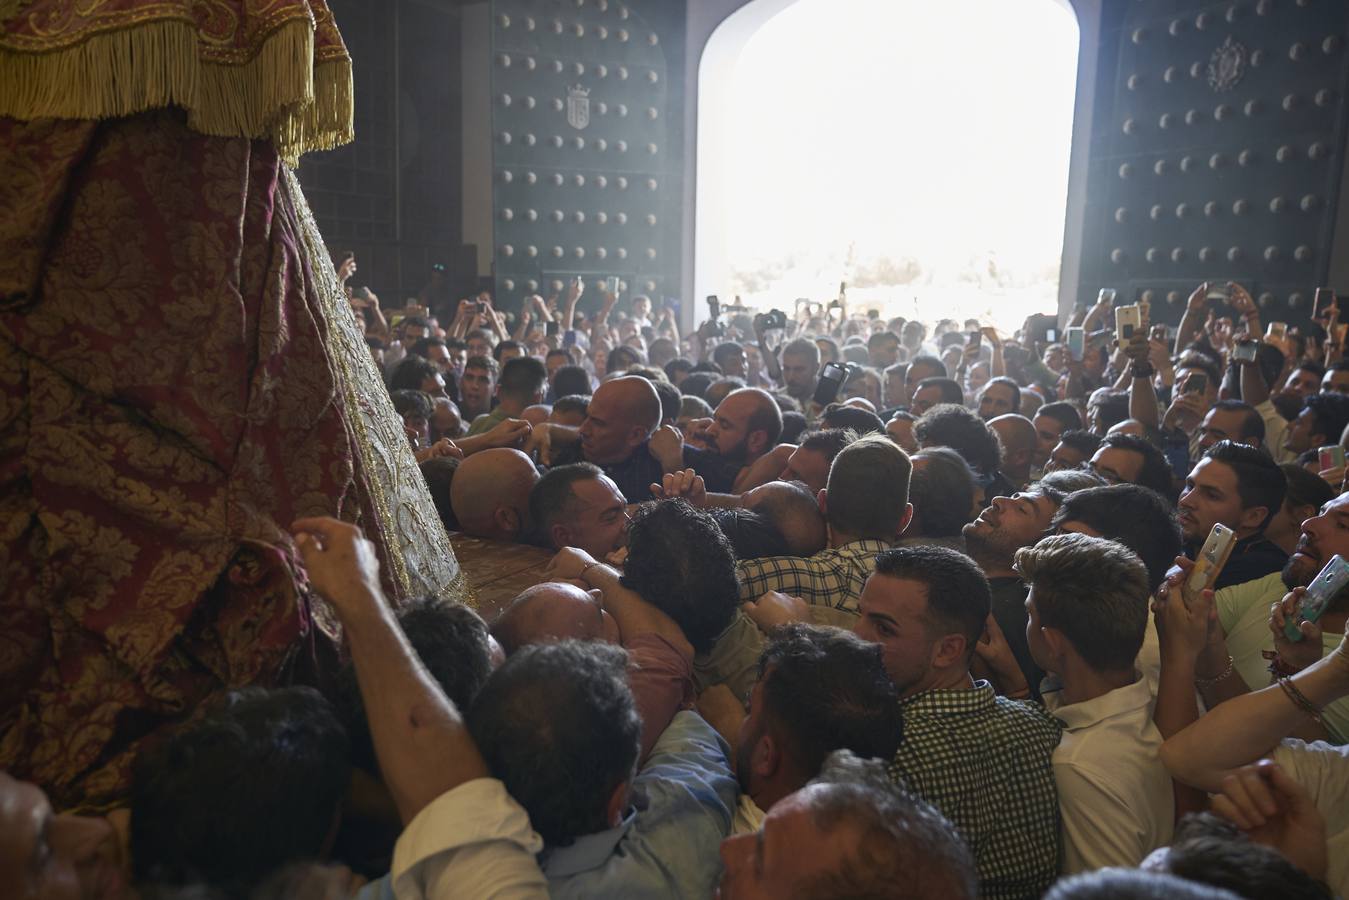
774	318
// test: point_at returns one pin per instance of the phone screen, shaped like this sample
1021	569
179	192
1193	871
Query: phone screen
832	376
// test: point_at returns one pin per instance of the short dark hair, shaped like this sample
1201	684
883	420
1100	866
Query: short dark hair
615	362
725	350
670	399
551	497
1135	516
868	488
577	403
904	847
942	492
696	384
793	424
827	441
1133	884
678	364
1314	367
412	403
558	725
1009	384
1064	413
1195	359
1083	442
1210	850
438	471
522	378
1093	590
949	387
1260	481
680	562
1304	488
958	595
879	337
569	381
750	532
483	362
949	425
825	689
803	347
1156	471
410	373
252	784
558	351
1332	414
925	359
1111	406
1252	423
451	641
500	349
861	421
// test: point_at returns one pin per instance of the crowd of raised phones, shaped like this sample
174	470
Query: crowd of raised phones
839	607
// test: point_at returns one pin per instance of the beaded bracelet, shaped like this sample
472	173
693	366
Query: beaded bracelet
1299	699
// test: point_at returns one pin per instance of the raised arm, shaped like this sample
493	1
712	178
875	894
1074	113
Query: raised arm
423	747
1245	728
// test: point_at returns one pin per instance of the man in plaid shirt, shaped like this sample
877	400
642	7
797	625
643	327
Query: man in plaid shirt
866	506
984	761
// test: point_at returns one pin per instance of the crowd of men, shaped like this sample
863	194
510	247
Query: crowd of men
920	623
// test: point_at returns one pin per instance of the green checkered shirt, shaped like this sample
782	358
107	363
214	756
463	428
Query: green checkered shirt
985	762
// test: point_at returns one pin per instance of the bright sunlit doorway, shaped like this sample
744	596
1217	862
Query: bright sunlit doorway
918	150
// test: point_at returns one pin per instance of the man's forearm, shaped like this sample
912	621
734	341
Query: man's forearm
1253	388
423	747
1143	402
1245	728
633	614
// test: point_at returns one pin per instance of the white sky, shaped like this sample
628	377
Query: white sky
935	129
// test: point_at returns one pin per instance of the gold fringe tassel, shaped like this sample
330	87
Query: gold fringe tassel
278	94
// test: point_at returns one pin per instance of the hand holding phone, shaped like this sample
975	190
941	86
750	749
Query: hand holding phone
1128	319
1209	561
1320	594
832	376
1076	339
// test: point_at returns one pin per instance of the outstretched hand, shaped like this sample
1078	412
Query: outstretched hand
342	565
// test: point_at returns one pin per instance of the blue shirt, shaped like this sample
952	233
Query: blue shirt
684	800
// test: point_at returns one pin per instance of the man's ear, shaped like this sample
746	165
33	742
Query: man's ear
821	499
1254	517
507	519
766	758
560	535
757	442
949	651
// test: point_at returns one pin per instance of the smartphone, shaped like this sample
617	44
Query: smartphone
1322	302
1076	339
1158	333
832	376
1107	296
611	284
1245	351
1323	589
975	339
1197	383
1209	562
550	328
1051	335
569	339
1128	319
1219	293
1277	330
714	306
1330	457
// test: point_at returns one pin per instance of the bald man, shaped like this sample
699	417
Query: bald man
490	494
745	426
553	611
615	435
660	661
1017	435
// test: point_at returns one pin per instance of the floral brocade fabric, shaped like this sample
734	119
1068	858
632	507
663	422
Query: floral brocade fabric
176	387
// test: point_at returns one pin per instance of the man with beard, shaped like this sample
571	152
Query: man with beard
1241	487
1233	661
745	426
992	540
